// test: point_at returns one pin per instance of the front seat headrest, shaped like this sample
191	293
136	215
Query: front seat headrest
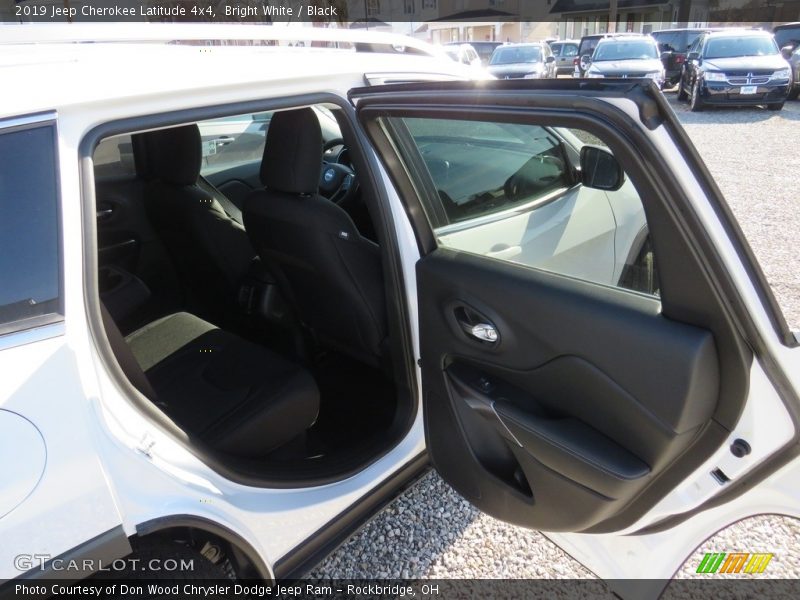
175	155
292	160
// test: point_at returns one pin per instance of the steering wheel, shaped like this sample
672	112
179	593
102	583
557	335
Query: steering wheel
337	182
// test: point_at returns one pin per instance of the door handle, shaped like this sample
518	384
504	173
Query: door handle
485	332
476	326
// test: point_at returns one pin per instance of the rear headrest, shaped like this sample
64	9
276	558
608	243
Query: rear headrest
293	152
175	155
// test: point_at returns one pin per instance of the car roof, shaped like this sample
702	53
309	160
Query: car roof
786	25
739	33
520	44
692	29
566	42
626	39
609	35
50	75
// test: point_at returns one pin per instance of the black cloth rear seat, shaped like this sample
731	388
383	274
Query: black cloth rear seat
236	396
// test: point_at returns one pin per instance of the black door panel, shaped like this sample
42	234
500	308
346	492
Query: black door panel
127	241
586	396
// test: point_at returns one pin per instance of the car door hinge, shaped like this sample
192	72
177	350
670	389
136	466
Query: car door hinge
146	445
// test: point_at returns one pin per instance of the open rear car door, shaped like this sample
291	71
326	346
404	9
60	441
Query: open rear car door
600	353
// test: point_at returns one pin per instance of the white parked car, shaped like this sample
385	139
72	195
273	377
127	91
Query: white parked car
535	288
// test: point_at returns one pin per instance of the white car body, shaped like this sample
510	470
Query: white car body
58	399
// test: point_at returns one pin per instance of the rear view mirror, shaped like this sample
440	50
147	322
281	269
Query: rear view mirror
600	170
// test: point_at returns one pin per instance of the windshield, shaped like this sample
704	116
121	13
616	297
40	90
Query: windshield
729	47
516	54
639	49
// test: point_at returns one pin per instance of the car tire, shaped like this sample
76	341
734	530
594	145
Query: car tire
794	93
695	103
146	550
775	106
682	95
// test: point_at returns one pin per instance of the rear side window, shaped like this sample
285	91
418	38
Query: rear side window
511	192
569	50
668	41
588	46
30	278
689	38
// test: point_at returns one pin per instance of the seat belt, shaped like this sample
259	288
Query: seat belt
233	211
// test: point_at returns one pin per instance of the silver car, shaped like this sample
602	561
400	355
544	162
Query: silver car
627	57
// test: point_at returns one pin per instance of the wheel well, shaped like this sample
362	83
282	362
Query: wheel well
216	543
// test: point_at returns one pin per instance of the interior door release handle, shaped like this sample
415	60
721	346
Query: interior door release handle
485	332
104	213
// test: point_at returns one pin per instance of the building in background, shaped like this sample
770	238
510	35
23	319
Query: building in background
577	18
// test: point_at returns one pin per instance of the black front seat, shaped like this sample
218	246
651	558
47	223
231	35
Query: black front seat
207	244
326	270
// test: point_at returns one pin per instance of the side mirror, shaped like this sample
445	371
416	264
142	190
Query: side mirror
693	56
786	52
600	170
550	59
665	55
585	61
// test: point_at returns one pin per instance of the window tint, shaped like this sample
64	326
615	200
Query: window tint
480	168
512	192
569	50
588	45
788	36
688	38
114	157
29	232
668	41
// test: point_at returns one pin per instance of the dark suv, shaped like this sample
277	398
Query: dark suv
674	45
787	36
586	49
739	67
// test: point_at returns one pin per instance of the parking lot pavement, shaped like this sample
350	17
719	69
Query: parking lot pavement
431	532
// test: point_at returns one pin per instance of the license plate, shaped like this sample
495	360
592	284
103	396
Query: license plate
748	89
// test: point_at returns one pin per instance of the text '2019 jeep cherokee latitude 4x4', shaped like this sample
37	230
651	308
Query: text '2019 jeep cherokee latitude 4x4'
239	348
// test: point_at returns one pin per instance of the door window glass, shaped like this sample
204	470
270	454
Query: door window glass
513	192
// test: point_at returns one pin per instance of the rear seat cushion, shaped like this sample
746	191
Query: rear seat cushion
236	396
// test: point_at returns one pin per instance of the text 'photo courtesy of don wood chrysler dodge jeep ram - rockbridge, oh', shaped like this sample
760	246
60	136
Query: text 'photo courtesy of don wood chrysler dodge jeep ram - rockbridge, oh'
250	292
